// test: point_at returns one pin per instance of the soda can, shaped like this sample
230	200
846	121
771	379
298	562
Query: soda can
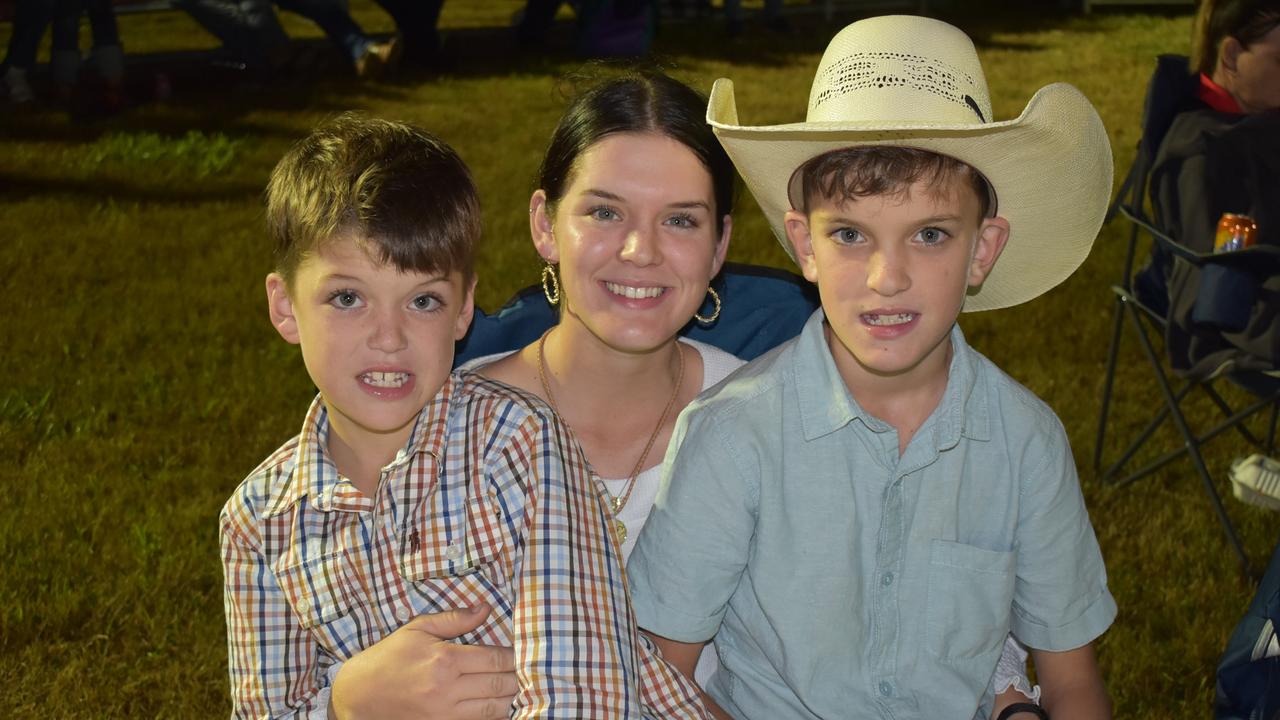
1235	232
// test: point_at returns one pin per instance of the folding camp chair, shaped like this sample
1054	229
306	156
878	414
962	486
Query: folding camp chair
1144	305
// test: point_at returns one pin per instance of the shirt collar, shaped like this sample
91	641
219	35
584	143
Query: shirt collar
313	473
826	405
1217	97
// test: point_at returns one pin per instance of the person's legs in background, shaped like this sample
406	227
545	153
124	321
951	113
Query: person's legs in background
249	31
107	55
64	58
369	57
30	18
416	21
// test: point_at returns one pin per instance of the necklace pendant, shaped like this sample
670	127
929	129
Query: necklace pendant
616	504
620	529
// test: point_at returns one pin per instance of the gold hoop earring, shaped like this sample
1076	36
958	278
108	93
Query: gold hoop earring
551	285
715	297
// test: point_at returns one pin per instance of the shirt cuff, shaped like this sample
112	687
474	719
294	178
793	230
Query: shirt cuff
1075	634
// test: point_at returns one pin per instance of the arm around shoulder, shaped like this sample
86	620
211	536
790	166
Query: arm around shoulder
570	597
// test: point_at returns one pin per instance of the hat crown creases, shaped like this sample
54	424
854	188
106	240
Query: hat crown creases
866	76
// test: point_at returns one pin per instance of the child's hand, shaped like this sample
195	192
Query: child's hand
416	673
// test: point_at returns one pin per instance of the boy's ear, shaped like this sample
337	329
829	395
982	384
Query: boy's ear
540	227
796	224
280	308
467	312
992	236
722	247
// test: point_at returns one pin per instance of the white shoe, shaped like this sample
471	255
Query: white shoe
15	81
1256	480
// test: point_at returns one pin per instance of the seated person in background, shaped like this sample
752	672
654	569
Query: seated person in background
1221	157
1248	686
889	505
412	490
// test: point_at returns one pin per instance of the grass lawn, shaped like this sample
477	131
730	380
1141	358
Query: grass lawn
144	380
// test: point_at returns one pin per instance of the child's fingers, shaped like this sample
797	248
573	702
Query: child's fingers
448	624
483	660
485	709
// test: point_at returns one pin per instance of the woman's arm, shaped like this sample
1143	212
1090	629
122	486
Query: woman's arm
577	649
684	657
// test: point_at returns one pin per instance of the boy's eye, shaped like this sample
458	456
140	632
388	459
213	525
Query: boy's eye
932	235
603	213
344	299
847	236
426	302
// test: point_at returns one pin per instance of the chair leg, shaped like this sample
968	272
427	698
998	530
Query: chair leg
1271	431
1226	410
1107	382
1192	446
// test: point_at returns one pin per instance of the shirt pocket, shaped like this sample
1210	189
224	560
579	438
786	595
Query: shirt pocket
970	599
319	591
436	548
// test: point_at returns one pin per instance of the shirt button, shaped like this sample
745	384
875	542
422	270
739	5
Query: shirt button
886	579
453	552
402	614
885	688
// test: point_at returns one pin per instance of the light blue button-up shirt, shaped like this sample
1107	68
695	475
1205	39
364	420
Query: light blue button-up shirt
845	581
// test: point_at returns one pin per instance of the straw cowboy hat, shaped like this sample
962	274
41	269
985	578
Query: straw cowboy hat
917	82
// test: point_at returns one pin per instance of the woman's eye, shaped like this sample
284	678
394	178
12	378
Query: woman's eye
344	299
684	221
603	213
426	302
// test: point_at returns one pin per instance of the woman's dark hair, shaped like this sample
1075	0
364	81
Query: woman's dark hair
640	101
1248	21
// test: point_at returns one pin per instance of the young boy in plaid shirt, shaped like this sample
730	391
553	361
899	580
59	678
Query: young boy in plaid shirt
411	490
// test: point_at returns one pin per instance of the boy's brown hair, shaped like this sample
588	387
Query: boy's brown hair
857	172
394	186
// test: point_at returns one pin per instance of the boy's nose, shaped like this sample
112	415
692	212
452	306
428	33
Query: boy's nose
388	333
641	247
886	275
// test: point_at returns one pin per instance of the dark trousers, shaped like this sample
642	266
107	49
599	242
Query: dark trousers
30	18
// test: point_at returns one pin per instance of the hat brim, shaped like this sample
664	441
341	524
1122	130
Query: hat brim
1051	169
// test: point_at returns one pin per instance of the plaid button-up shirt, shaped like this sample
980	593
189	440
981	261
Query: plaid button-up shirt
491	501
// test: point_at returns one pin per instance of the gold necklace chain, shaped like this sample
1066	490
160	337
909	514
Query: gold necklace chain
619	502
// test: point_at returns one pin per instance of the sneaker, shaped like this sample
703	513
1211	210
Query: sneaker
378	59
15	81
1256	481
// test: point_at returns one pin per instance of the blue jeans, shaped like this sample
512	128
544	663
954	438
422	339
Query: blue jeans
335	21
248	29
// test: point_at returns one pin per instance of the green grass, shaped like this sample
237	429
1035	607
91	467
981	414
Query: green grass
143	379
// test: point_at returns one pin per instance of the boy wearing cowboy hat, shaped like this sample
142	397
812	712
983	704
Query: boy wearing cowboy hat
889	504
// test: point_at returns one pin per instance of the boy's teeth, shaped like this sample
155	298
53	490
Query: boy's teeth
895	319
634	293
385	379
